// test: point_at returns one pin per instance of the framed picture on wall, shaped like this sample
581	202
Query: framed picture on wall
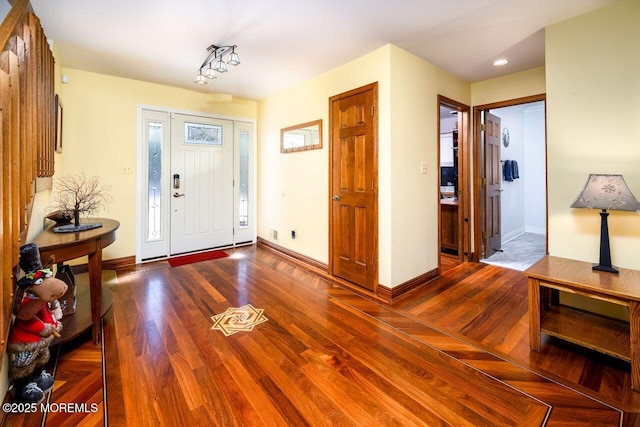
58	125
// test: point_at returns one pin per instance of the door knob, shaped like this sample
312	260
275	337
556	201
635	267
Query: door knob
176	194
336	197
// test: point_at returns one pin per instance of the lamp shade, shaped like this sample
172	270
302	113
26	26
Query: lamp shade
233	59
210	73
220	66
608	192
200	79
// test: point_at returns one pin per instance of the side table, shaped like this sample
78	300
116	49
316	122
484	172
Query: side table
67	246
603	334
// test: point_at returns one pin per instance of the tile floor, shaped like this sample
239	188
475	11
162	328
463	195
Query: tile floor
520	252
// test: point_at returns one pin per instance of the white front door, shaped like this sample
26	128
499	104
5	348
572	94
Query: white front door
201	183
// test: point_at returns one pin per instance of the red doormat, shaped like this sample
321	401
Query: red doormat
201	256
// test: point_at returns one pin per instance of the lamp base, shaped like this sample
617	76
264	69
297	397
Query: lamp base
608	269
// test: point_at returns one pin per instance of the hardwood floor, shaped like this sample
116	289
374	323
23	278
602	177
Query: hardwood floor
455	352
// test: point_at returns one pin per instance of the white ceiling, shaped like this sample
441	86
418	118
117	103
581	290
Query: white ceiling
282	43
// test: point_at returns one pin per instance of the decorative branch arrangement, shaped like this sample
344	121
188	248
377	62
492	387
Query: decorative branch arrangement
79	195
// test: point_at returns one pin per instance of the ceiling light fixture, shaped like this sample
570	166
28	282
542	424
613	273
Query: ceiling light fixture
215	62
500	62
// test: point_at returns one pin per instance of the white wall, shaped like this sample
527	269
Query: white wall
4	9
512	199
523	200
535	163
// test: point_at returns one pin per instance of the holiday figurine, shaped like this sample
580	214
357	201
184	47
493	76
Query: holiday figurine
36	324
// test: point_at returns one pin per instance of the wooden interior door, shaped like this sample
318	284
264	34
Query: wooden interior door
353	183
492	190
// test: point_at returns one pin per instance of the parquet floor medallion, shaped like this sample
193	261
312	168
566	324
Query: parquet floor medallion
240	319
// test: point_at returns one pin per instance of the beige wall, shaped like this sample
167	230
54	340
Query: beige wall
511	86
593	111
414	198
293	188
101	136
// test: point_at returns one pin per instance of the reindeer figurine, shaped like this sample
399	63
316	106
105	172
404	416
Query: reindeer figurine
35	326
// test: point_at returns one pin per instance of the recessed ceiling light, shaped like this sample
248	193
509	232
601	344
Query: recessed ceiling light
500	62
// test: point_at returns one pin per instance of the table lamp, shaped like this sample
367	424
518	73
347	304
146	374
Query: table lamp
606	192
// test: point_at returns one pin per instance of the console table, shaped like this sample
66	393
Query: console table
67	246
603	334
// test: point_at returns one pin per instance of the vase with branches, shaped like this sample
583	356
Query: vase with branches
78	195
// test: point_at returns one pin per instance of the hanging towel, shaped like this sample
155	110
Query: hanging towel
507	171
510	170
514	169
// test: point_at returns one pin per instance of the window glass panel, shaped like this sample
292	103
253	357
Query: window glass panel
243	208
154	183
198	133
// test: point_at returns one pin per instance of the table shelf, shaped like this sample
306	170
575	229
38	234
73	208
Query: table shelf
599	333
79	322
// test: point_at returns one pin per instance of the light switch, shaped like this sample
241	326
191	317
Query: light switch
423	167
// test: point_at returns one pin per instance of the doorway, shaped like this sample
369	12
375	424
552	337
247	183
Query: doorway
195	175
511	182
453	194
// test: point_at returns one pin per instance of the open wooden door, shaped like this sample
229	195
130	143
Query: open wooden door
492	238
353	219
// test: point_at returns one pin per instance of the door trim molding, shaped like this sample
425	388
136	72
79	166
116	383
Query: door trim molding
464	173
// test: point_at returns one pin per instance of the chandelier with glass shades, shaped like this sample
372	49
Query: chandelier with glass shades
216	62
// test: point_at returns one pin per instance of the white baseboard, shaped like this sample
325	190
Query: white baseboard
535	230
510	236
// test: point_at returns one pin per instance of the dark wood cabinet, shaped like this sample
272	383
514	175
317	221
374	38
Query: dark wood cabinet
449	238
449	211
